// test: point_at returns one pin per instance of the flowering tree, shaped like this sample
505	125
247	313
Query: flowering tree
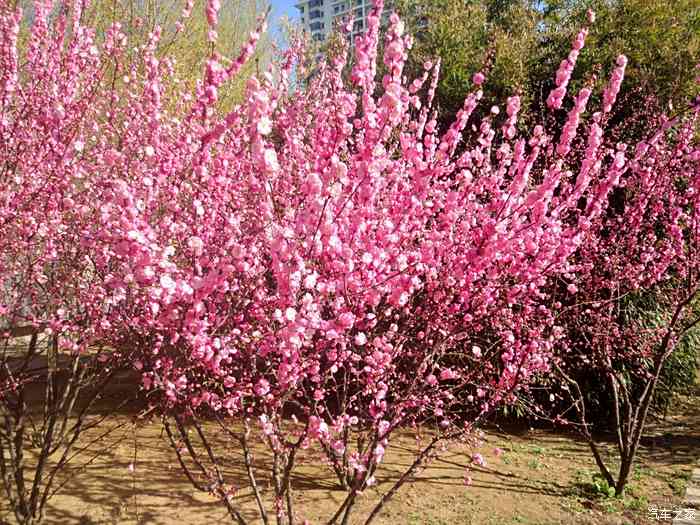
633	296
65	118
337	257
52	308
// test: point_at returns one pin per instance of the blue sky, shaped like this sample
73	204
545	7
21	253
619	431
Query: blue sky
281	8
284	7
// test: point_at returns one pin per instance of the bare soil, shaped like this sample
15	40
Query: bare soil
541	478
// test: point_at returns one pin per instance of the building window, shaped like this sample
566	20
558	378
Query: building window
316	26
301	9
315	14
315	3
318	37
359	25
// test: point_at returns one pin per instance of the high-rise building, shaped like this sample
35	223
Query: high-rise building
319	17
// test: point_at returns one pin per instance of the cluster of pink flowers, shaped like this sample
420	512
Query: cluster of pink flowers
566	68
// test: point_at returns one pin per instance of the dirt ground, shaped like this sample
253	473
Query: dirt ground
540	478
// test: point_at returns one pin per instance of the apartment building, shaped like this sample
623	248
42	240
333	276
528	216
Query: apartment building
319	17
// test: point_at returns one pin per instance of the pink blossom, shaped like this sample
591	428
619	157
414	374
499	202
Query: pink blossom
346	320
262	387
360	339
478	459
196	245
290	314
447	374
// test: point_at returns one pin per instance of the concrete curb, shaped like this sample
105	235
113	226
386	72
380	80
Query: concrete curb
691	499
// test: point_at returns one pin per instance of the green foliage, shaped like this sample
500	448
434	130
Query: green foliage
593	485
468	34
679	371
523	41
661	39
600	487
